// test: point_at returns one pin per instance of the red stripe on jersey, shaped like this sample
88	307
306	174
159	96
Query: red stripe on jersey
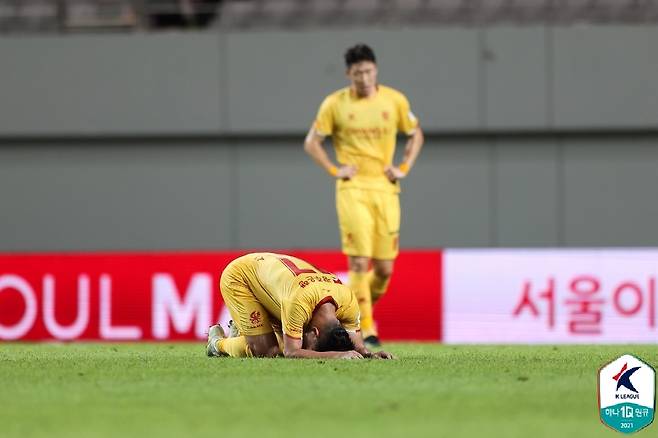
325	300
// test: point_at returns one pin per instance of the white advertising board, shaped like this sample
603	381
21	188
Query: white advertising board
550	296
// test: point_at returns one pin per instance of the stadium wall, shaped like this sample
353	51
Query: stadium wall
542	191
459	79
535	137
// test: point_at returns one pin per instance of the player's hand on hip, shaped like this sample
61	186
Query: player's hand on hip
394	173
350	355
346	172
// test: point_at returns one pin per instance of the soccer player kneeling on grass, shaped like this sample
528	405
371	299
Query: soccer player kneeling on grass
283	305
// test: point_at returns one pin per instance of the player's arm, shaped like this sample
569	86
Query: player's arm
292	348
350	321
360	347
411	150
357	340
313	145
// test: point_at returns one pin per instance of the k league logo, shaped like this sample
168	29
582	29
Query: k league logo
627	394
624	379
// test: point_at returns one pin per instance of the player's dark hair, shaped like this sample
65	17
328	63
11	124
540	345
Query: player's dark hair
358	53
335	339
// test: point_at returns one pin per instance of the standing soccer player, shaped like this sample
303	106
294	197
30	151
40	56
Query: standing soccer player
363	121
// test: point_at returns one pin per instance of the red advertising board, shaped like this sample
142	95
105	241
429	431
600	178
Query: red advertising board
175	295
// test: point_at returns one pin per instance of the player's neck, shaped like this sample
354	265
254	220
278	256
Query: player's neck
366	94
324	313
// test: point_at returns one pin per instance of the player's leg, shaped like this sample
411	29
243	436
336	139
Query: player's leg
386	242
252	321
380	277
263	345
257	344
359	282
385	245
240	346
357	228
219	344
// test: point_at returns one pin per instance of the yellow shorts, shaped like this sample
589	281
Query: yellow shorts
249	315
369	222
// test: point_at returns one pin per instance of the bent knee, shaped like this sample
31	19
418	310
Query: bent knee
383	268
359	264
383	272
260	350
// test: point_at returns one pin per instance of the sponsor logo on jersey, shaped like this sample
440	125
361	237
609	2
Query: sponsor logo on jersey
255	317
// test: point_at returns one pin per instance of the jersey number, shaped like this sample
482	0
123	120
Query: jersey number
296	270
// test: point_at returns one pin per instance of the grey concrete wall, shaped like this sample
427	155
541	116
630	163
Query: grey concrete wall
110	84
605	77
251	193
174	141
516	74
115	195
510	78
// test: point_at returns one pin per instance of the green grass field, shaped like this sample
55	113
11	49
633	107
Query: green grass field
173	390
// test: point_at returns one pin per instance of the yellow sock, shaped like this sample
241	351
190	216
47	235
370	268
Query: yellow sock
378	286
234	347
361	287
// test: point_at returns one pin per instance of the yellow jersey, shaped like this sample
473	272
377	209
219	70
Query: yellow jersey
291	289
364	132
